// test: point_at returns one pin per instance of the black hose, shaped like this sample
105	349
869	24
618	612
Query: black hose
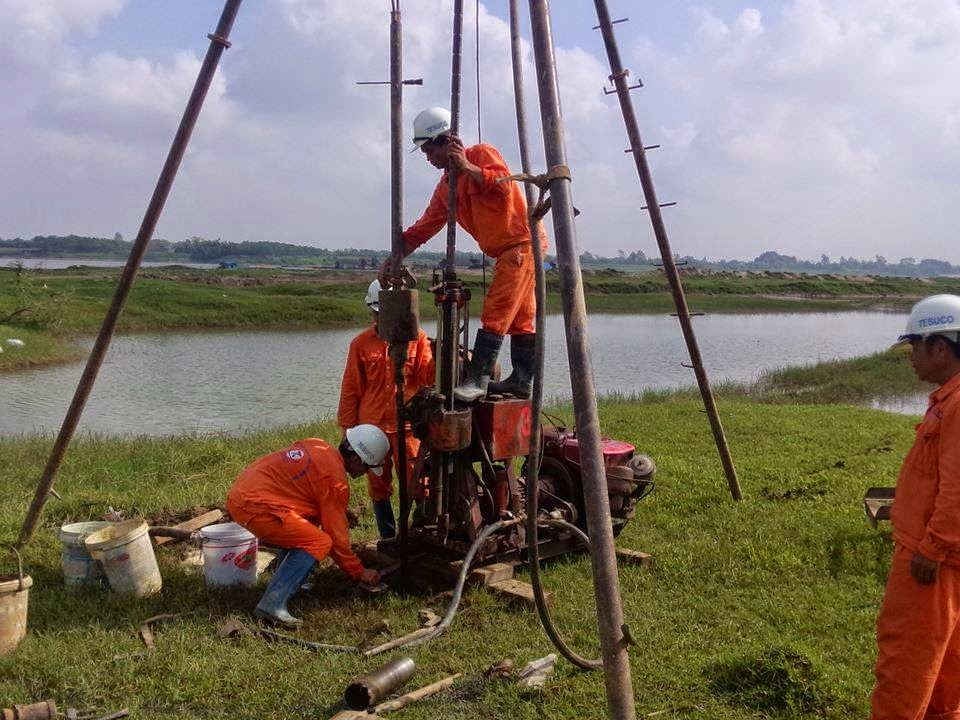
533	459
533	468
426	634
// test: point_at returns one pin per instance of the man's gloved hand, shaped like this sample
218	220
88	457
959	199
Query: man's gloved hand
390	268
923	569
370	577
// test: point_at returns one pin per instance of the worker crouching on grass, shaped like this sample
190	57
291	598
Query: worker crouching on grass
282	497
918	630
495	214
368	395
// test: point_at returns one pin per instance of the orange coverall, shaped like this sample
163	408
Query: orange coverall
368	395
918	629
281	496
495	214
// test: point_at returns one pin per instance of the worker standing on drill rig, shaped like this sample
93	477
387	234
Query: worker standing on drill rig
495	214
367	395
918	631
296	498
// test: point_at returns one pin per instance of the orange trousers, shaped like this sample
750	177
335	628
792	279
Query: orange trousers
381	488
510	306
286	529
918	637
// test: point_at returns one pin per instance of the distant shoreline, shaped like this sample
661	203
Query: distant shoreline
51	307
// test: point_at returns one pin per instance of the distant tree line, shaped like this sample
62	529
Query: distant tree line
201	250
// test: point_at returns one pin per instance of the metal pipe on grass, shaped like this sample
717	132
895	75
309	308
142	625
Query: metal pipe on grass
616	663
218	43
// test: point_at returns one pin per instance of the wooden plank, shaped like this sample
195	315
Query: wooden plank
493	573
416	695
193	524
485	575
634	557
516	591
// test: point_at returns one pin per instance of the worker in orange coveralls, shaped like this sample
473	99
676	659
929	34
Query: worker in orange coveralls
918	630
282	496
495	214
368	395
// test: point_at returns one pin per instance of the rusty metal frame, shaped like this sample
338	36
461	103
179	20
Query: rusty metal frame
618	76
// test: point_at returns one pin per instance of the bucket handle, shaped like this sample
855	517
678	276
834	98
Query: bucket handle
19	566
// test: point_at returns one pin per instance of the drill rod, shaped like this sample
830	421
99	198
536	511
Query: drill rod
616	663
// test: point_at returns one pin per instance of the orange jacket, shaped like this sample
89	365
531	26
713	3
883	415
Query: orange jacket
367	392
307	478
926	510
495	214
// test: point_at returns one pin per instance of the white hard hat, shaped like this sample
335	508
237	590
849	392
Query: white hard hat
935	315
372	300
371	444
429	124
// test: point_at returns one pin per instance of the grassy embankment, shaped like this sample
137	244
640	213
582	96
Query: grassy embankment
58	306
856	381
763	609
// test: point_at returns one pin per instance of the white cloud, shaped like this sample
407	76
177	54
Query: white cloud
826	127
820	126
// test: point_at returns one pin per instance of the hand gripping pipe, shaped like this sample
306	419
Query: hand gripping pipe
218	43
616	663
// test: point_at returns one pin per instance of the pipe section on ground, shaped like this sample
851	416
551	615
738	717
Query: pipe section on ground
371	689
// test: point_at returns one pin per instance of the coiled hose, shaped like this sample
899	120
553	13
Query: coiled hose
423	635
533	470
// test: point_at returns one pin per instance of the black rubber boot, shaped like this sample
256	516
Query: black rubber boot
485	351
386	524
523	358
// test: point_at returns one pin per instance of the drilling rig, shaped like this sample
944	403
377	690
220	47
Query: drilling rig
472	468
475	458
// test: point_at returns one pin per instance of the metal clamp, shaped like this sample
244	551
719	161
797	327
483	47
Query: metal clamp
614	22
219	40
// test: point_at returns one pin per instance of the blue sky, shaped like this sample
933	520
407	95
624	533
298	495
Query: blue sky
804	126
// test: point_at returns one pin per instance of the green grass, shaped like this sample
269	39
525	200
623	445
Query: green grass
783	587
883	375
39	349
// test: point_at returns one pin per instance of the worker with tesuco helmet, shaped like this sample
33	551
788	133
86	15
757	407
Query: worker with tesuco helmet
368	395
918	630
495	214
296	498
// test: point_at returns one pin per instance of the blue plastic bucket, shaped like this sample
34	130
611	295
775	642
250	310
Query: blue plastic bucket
79	568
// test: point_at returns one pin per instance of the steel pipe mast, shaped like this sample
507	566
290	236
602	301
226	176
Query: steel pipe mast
398	350
613	640
218	43
618	76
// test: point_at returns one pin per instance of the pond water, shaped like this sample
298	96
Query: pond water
227	382
44	263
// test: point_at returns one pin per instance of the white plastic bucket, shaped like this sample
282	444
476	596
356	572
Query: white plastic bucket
78	567
229	555
128	559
